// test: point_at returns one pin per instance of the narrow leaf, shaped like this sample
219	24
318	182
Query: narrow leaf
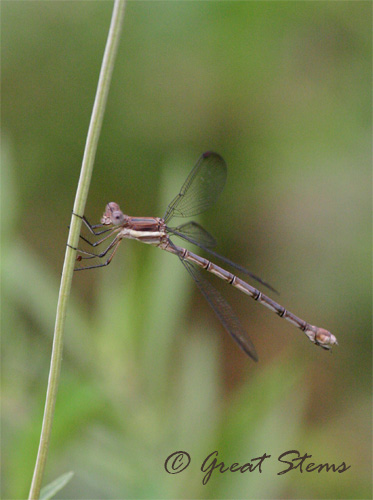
55	486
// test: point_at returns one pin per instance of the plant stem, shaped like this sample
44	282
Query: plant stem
73	239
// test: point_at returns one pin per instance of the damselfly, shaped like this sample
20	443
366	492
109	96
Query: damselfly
200	190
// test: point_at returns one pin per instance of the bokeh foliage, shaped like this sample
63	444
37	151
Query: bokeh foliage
283	91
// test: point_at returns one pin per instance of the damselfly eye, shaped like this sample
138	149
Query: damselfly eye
117	217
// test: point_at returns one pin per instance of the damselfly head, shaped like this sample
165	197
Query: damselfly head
113	215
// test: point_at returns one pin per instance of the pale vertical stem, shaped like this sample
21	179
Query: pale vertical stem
68	266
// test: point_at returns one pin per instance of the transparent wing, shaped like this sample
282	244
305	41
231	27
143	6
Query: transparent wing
201	188
222	310
194	233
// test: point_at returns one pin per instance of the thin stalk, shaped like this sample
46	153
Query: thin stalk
73	238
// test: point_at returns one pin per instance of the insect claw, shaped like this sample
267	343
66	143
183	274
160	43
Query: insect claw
76	215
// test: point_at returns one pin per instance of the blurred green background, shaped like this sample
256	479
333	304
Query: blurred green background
282	90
